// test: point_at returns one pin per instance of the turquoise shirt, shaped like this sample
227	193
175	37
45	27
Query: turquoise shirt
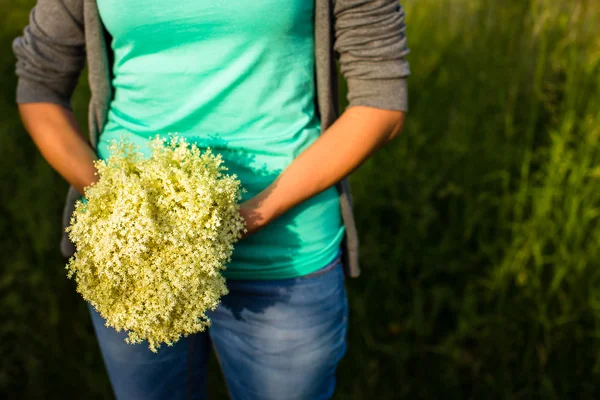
238	77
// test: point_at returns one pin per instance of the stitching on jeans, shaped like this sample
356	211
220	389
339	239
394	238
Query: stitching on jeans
189	368
218	358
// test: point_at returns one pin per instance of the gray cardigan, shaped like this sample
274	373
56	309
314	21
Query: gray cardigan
366	36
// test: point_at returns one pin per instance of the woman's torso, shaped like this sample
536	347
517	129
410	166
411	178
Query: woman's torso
237	77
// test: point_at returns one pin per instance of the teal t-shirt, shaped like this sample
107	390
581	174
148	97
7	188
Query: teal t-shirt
236	76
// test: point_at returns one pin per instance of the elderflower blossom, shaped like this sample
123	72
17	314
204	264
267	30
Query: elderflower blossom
153	237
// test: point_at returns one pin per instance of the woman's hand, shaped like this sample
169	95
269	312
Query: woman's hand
254	216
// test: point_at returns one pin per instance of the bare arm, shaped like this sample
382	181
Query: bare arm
56	133
357	134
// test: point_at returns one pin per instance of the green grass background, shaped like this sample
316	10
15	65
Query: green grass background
479	225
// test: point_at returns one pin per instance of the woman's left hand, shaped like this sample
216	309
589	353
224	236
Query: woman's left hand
254	215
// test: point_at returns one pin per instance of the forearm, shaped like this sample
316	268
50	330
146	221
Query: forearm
358	133
56	134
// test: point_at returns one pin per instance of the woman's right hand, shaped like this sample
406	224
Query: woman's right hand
57	135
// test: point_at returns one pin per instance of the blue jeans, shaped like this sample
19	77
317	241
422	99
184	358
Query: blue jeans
274	339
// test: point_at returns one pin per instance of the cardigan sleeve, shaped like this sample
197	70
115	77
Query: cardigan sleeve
50	53
370	42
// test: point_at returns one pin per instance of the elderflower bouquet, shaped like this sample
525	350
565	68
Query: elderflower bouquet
153	237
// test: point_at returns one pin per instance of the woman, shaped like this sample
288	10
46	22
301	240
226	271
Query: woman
255	81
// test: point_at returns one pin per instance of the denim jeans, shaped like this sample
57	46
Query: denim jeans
274	339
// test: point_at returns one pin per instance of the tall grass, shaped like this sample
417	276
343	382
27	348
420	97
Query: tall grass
480	246
479	230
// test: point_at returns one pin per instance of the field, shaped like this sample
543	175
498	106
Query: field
480	245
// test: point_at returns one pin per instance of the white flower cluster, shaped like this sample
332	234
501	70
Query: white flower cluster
153	238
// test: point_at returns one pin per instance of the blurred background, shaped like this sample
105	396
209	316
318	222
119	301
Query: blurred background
479	225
